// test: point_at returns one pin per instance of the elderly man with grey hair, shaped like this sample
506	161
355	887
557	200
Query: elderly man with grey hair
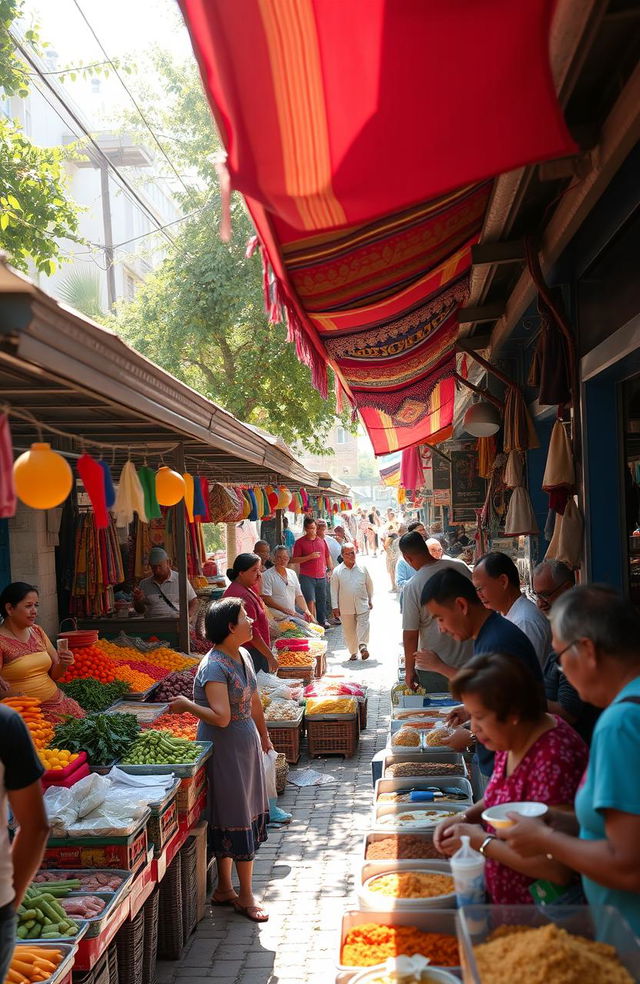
551	580
281	590
351	593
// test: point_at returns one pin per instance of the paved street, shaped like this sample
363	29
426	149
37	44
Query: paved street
304	871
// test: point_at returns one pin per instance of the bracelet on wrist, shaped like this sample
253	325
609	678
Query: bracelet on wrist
485	844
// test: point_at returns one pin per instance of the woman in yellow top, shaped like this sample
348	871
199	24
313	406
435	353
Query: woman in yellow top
29	665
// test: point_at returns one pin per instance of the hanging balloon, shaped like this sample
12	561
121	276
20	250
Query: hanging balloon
42	477
284	498
170	487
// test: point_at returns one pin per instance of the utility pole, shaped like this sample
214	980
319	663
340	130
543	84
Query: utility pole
108	233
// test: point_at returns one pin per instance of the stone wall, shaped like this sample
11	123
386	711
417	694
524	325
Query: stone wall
32	547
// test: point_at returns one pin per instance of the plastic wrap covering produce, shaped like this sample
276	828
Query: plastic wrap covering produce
177	684
338	688
408	737
104	737
161	748
99	806
332	705
29	709
282	710
274	687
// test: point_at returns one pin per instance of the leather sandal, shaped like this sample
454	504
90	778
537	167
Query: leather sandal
364	652
253	912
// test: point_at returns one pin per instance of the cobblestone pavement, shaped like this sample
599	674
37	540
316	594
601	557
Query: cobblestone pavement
304	872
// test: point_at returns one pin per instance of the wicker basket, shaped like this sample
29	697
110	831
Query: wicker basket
170	913
113	964
304	673
130	944
333	737
99	973
189	884
150	952
282	771
286	741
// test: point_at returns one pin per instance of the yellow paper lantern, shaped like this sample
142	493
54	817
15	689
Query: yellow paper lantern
169	486
189	494
42	477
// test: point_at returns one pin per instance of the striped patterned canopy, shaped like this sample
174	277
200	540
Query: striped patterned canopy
364	135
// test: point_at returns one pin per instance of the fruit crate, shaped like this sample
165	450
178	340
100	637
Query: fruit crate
303	673
189	790
126	853
333	736
163	821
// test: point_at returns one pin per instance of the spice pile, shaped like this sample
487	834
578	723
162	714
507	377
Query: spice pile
411	885
404	847
370	944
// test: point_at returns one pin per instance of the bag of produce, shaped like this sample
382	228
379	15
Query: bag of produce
269	768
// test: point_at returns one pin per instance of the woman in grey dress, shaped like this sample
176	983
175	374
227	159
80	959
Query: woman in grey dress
227	703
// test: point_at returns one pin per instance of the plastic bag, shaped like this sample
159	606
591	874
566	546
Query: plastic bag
269	768
89	793
61	812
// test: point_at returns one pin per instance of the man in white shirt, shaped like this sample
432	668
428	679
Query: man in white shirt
158	596
281	590
423	642
335	540
351	594
497	582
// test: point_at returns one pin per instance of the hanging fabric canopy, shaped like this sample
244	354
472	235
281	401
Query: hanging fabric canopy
364	137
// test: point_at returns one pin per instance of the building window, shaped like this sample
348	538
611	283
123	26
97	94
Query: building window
341	435
130	286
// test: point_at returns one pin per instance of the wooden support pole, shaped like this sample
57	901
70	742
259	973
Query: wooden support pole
480	313
180	515
489	397
232	544
497	253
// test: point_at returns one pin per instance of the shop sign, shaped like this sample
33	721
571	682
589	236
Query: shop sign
441	481
468	488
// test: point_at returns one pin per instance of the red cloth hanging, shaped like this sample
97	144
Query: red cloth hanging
92	475
411	473
8	499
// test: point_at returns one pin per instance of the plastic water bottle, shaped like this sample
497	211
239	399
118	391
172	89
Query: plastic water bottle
467	868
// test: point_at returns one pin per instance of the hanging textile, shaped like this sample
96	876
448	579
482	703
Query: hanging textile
519	431
97	567
148	482
157	533
205	517
109	491
222	508
549	370
559	478
129	497
189	495
566	542
92	477
513	470
487	450
8	500
411	472
352	252
199	508
520	519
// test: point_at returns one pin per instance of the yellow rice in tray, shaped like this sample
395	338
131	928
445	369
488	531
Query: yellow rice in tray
547	955
412	885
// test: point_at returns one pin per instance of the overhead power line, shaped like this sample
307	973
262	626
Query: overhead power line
131	96
97	148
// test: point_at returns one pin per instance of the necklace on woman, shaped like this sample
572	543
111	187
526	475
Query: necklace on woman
15	634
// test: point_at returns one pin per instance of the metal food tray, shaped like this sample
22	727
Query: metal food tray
83	926
127	878
427	700
370	869
65	965
428	921
456	758
145	694
98	923
405	785
386	809
405	713
140	707
184	770
285	724
426	724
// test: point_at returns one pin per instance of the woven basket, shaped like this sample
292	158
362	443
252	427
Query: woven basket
282	771
170	913
150	950
286	741
189	885
113	964
99	973
332	737
130	944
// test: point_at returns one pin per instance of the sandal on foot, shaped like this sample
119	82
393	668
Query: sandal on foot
253	912
364	652
352	657
228	901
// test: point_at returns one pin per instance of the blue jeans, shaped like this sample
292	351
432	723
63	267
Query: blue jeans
315	589
7	944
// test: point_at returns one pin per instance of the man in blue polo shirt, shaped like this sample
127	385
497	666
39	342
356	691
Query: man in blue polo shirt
452	601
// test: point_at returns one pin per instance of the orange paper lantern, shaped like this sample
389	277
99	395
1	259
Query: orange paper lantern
169	486
42	477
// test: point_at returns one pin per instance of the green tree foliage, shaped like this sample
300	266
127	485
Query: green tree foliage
35	210
202	315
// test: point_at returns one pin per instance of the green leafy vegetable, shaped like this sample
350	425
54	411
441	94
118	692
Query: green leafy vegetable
93	695
104	737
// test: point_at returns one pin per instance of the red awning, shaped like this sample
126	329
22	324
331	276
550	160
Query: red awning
364	136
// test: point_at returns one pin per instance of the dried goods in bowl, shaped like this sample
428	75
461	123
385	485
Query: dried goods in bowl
371	943
410	885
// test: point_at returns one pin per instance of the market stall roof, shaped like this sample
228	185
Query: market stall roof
328	485
72	374
365	138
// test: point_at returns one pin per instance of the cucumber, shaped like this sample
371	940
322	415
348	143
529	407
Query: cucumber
21	932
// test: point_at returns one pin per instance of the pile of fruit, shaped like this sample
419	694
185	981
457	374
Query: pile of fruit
31	964
163	657
175	685
138	682
288	658
30	710
161	748
90	661
57	758
40	916
181	725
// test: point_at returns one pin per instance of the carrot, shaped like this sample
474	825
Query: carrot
35	952
43	964
13	977
21	966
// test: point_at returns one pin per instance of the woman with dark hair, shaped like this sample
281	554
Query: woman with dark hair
29	664
245	584
226	701
538	756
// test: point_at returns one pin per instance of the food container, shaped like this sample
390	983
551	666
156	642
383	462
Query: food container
424	782
145	713
375	836
82	925
144	695
431	975
430	700
604	923
428	921
183	770
426	814
416	713
414	754
80	873
418	724
97	923
68	951
375	900
496	816
280	723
